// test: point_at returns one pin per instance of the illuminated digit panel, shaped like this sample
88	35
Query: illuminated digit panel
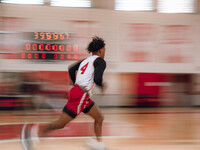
49	46
50	35
49	56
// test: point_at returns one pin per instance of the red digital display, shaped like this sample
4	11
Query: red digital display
49	46
49	56
50	35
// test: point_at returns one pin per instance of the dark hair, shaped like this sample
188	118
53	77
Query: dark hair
96	44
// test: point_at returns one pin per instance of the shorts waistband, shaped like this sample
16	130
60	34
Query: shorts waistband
82	88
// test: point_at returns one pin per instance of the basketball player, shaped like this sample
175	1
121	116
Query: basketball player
83	75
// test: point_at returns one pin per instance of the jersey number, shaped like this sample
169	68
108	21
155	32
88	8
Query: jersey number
84	68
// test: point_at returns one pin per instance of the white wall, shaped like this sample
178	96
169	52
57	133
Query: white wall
110	27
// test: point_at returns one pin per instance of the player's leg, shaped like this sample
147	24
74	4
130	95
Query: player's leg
68	112
33	133
64	118
98	117
93	111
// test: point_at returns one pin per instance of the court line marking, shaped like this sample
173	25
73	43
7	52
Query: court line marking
16	123
126	124
57	138
121	113
22	136
85	137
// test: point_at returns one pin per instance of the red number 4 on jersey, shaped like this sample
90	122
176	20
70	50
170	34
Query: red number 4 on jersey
84	68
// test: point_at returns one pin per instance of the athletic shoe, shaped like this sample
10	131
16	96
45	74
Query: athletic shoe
95	145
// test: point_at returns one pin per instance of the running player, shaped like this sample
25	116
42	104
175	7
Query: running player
83	75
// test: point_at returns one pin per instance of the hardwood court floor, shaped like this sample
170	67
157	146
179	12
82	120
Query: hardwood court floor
124	128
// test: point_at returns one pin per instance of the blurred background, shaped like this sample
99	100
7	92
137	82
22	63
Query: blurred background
153	69
152	51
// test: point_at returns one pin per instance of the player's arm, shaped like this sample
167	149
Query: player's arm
72	70
99	65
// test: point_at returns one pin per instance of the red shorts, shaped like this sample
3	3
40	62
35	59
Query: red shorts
78	102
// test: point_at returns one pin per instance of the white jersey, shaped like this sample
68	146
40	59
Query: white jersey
85	73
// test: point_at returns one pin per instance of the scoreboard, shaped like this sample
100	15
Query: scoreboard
49	46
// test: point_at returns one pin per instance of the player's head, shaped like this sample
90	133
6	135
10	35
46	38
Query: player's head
97	46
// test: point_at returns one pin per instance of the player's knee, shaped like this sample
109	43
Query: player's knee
100	120
60	126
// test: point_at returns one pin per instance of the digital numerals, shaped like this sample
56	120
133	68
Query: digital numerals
51	47
50	36
49	56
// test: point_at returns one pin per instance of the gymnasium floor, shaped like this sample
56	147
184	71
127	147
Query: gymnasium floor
124	128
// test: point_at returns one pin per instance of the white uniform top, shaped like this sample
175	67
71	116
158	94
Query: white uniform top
85	73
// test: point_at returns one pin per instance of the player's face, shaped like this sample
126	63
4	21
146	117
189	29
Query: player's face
102	52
